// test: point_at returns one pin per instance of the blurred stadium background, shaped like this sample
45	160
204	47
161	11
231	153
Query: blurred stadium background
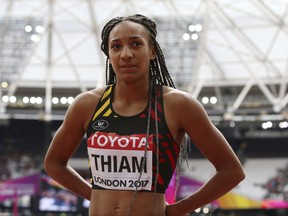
232	55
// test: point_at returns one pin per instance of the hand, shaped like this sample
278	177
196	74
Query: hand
172	210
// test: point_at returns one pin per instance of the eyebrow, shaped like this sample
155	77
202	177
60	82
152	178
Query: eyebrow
131	37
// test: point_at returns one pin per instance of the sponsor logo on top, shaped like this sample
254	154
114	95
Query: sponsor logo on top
100	125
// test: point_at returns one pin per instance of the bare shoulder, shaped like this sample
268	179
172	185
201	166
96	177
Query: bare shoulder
178	98
88	97
84	105
183	109
86	102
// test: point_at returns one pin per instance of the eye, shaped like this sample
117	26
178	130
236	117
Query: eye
136	43
115	46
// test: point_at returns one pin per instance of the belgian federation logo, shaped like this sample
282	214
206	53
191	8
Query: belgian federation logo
100	125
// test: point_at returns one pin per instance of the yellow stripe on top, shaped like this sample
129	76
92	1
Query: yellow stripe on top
106	93
104	105
109	111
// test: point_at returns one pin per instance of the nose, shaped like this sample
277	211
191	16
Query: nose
126	53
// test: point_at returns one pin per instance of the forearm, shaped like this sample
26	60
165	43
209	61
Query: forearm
70	179
218	185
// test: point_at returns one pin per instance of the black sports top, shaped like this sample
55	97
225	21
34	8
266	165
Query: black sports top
116	147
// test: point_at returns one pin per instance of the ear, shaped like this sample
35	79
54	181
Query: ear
153	56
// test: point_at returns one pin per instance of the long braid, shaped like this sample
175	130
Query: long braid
109	74
157	147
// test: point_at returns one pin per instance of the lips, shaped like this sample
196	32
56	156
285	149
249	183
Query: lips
128	66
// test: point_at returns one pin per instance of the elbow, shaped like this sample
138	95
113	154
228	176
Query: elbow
50	165
238	175
234	175
47	165
53	167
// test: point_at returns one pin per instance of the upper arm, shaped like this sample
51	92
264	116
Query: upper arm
70	133
194	120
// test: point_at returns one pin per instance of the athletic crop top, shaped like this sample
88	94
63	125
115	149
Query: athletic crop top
116	147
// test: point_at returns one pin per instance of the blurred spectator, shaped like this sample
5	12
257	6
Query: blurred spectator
277	186
15	163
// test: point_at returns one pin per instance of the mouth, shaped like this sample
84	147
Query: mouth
128	66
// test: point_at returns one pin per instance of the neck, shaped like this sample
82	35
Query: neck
132	93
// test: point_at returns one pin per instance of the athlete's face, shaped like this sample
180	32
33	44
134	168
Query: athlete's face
130	51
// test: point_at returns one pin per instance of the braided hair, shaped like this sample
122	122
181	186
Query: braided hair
158	69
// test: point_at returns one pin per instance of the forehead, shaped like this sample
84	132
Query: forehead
128	29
